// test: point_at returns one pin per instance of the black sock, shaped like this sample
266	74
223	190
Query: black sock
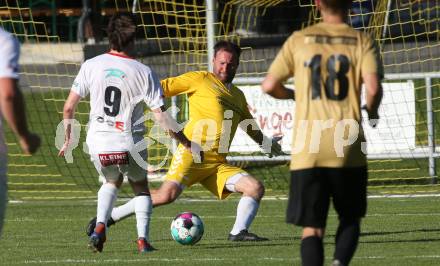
347	238
143	194
312	251
110	221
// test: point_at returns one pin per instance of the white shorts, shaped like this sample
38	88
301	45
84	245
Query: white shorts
109	153
231	181
113	165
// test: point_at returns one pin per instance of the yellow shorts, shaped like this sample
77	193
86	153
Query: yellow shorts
212	173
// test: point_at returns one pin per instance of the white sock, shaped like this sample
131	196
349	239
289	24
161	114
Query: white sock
123	211
246	210
143	208
106	199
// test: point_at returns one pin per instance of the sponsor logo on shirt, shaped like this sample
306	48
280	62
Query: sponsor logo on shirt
117	124
117	158
114	72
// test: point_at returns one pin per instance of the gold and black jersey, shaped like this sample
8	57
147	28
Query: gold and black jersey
327	62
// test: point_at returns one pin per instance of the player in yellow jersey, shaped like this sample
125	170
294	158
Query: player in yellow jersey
216	109
329	61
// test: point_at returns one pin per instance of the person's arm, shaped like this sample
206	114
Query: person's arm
374	93
68	114
253	131
167	88
182	84
372	74
176	132
271	147
13	110
279	71
275	88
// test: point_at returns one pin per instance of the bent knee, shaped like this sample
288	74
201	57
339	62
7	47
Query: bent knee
116	182
260	189
254	188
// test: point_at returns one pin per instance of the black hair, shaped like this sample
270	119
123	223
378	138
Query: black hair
121	31
337	5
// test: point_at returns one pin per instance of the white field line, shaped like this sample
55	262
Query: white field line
88	261
403	196
370	197
268	198
399	257
15	201
32	220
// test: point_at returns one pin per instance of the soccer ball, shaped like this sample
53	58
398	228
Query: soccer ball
187	228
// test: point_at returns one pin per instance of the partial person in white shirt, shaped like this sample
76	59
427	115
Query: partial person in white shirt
12	109
119	87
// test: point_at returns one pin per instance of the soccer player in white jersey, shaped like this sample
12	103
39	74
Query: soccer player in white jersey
12	109
118	85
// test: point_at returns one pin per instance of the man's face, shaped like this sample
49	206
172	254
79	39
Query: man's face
225	66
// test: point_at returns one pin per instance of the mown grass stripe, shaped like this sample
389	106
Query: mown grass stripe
39	184
211	259
393	170
50	191
399	178
59	198
26	165
35	175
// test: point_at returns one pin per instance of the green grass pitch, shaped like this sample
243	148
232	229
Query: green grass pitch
48	227
397	231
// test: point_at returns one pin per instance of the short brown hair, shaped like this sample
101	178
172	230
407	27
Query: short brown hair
337	5
121	31
227	46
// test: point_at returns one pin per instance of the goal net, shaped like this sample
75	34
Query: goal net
173	40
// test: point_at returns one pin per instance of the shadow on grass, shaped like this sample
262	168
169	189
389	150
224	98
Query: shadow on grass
426	238
243	245
401	232
220	243
422	240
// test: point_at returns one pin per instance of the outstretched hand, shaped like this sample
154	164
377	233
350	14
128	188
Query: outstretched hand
63	149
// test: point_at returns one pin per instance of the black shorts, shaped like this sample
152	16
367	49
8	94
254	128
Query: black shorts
311	190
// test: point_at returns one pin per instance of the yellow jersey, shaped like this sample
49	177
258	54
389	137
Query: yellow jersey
215	110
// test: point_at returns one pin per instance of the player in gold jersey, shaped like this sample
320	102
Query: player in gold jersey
329	61
216	109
